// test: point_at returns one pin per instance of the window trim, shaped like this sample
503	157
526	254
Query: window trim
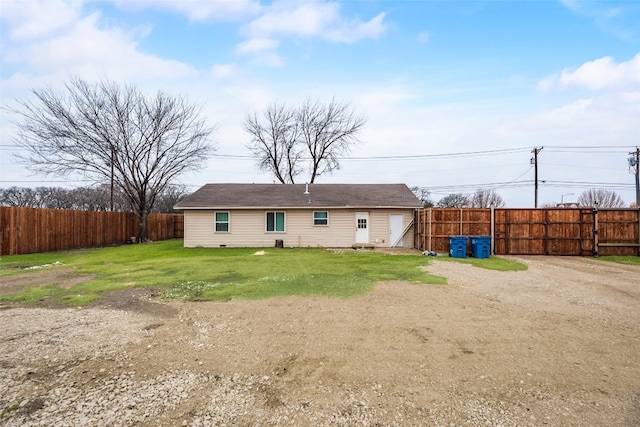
216	222
326	219
275	221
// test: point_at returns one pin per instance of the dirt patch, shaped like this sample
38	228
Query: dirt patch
554	345
137	300
64	277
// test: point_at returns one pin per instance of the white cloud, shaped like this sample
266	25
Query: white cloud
564	116
357	30
269	59
307	19
571	4
610	17
199	10
81	45
304	19
599	74
313	19
221	71
37	18
257	45
87	50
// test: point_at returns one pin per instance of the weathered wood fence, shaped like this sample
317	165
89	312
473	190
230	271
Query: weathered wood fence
30	230
548	231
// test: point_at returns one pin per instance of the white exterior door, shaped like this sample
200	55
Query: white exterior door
395	230
362	227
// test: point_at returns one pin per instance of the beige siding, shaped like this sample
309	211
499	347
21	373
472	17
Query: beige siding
247	229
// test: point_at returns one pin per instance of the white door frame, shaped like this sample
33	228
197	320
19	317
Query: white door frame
395	230
362	227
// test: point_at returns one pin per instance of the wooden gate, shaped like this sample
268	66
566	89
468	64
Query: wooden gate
544	231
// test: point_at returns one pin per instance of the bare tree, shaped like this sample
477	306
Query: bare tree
98	198
458	200
423	195
274	142
484	198
328	131
601	197
54	198
169	197
114	134
286	141
18	196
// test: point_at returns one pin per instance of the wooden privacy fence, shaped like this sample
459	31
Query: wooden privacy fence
549	231
30	230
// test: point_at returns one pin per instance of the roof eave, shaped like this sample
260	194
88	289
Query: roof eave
294	207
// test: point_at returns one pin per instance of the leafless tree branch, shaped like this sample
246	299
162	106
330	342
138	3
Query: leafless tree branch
110	131
483	198
284	139
601	197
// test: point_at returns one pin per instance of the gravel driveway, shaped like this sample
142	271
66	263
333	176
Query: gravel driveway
556	345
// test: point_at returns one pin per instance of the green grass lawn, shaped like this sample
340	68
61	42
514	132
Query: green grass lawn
217	273
628	260
492	263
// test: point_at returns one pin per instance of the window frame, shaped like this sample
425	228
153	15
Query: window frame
275	222
325	219
216	222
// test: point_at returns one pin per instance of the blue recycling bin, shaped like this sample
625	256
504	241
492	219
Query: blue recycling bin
458	246
481	246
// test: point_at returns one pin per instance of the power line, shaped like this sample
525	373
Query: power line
557	149
598	149
588	147
48	180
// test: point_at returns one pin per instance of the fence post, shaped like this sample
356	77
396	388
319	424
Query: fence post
638	212
430	220
493	229
595	230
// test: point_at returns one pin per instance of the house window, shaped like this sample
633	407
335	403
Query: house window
362	223
222	222
321	218
275	222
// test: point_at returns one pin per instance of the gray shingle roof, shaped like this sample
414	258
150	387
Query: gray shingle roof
223	196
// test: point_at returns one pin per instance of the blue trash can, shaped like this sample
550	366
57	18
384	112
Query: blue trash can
481	246
458	246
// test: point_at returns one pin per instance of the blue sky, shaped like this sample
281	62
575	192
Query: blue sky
457	93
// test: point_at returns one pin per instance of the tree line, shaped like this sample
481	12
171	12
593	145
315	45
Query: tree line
481	198
485	198
97	198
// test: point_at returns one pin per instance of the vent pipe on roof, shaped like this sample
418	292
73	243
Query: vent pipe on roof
306	188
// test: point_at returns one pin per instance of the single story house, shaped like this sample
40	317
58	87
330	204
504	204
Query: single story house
299	215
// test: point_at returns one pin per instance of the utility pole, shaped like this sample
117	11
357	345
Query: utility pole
636	162
111	204
534	161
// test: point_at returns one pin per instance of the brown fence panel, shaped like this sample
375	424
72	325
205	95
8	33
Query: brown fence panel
162	226
178	226
543	231
435	225
549	231
618	232
30	230
519	231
